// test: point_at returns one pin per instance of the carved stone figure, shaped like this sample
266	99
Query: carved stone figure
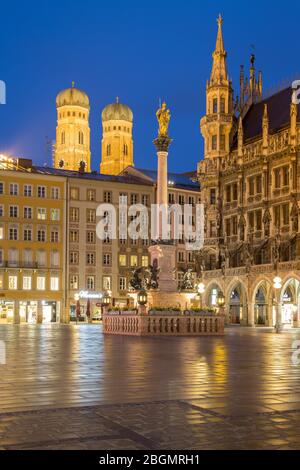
188	281
154	276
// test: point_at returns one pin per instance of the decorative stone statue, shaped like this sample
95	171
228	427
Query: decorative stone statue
136	282
199	263
153	276
276	249
267	221
163	116
188	281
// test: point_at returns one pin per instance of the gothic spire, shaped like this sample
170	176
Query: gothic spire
219	68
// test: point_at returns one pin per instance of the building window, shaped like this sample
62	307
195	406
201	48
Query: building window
91	216
228	193
13	257
190	256
74	236
41	235
212	196
74	257
214	142
55	193
228	227
215	105
277	216
106	259
234	225
133	261
55	214
181	257
1	188
108	150
122	283
133	199
122	240
251	186
90	282
1	258
73	282
277	179
13	234
54	259
27	235
13	211
41	258
74	214
63	138
54	283
285	214
107	239
27	212
41	213
258	216
222	142
285	176
171	198
74	194
145	200
251	220
125	149
41	191
145	261
107	197
122	260
13	189
181	199
80	138
41	283
91	259
212	229
90	237
13	282
1	233
54	236
235	192
222	105
26	282
91	195
1	210
106	283
27	190
259	184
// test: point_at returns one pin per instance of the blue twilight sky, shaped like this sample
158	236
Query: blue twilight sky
139	51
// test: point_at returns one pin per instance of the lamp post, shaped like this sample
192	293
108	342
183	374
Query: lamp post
106	301
142	299
221	303
200	290
277	284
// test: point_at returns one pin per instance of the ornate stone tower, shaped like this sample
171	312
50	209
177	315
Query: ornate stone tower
216	128
216	125
117	143
72	148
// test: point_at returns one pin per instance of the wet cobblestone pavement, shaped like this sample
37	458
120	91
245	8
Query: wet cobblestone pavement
68	387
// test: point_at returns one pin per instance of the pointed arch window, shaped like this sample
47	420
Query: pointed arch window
80	138
108	150
222	105
215	105
63	137
125	149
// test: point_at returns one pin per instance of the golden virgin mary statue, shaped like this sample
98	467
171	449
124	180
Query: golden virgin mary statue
163	116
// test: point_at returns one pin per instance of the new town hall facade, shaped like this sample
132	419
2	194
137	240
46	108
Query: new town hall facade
50	257
250	181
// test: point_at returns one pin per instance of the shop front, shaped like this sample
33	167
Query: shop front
86	306
29	311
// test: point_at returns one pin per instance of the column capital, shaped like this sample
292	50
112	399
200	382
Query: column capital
162	143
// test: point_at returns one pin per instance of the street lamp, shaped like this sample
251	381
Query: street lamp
277	284
221	300
106	299
200	290
142	297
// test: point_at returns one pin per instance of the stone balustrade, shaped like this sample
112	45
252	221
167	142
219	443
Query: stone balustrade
163	325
